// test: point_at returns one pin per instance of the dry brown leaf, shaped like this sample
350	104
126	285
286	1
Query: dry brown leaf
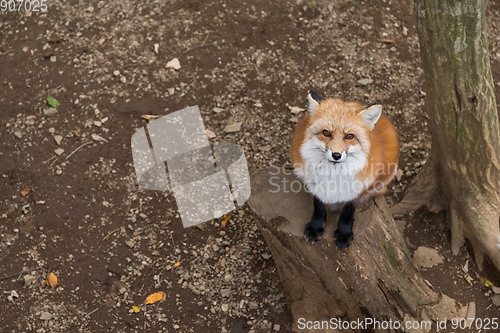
149	116
387	41
295	109
177	264
224	222
210	134
52	280
98	138
25	191
75	134
153	298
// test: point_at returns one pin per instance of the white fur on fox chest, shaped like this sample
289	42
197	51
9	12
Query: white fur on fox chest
332	183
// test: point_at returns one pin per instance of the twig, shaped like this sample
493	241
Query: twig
50	159
30	270
173	243
51	164
112	232
77	149
203	45
91	312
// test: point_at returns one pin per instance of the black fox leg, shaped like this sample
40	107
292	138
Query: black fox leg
314	229
343	234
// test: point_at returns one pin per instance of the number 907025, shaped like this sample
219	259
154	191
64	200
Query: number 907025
27	5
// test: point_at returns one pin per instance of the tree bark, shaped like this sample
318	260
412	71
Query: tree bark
465	156
373	278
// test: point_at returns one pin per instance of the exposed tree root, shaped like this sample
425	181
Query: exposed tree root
423	191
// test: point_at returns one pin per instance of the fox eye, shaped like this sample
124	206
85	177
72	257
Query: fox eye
349	136
326	133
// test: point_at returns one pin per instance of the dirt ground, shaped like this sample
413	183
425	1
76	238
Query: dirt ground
79	212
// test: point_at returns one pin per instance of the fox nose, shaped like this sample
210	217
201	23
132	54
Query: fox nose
336	156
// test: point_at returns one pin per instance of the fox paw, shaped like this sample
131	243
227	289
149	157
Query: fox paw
313	234
343	241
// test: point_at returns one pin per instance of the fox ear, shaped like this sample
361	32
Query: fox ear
314	100
371	114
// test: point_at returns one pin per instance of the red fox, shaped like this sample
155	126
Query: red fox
345	153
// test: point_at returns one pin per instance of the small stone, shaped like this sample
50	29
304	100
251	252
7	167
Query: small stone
228	277
97	123
105	204
364	82
225	292
130	243
90	9
171	91
52	130
495	300
393	49
276	327
253	305
58	139
408	173
53	58
496	290
144	216
59	151
18	134
266	256
46	316
218	110
116	73
225	307
399	175
123	79
122	290
265	148
234	127
29	280
28	13
50	112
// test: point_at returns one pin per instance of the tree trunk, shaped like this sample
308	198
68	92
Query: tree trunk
373	278
465	157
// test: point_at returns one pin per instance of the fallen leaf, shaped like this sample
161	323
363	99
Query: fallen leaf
295	109
25	191
52	280
104	120
488	283
210	134
75	134
13	293
224	222
136	309
177	264
25	208
174	63
387	41
98	138
53	102
149	116
153	298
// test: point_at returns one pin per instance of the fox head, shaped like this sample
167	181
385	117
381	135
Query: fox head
338	135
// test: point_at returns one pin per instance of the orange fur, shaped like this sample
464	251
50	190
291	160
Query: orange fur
336	116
